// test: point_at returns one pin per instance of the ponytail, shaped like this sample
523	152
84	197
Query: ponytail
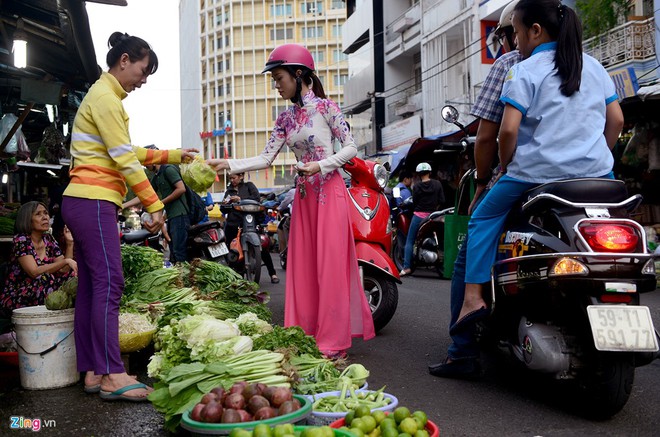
568	58
563	26
309	78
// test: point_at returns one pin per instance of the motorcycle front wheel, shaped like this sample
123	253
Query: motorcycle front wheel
382	295
253	263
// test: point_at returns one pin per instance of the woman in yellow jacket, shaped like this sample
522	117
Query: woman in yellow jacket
103	161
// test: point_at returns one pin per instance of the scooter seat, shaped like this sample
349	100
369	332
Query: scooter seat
585	190
136	236
200	227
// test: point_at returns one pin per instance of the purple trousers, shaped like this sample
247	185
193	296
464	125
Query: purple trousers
93	224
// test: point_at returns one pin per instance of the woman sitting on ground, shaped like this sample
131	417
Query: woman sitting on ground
37	264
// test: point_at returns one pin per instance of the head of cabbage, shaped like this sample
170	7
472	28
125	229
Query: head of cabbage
198	175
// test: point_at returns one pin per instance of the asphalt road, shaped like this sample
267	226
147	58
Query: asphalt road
505	402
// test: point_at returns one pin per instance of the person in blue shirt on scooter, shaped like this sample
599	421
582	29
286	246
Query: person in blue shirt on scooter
540	140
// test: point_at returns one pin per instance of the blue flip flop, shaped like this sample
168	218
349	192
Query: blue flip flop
468	321
118	395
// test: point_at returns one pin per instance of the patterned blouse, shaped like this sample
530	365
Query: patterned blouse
310	132
20	289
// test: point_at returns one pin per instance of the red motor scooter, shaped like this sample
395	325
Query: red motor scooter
372	231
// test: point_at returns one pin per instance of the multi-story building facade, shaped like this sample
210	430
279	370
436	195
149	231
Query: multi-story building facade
228	106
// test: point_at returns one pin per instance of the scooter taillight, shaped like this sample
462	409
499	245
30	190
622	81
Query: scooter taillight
609	237
213	233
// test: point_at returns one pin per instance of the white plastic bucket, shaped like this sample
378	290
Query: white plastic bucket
46	347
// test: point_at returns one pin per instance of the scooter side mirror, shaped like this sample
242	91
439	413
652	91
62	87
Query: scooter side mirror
449	114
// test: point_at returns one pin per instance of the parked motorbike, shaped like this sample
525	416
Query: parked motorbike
428	249
565	289
245	252
207	241
131	234
372	231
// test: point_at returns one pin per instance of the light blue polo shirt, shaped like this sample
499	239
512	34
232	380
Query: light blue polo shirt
559	137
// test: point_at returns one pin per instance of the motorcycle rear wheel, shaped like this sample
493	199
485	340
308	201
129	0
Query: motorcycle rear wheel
253	263
382	295
605	387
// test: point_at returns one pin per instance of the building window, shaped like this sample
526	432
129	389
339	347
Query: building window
312	32
276	34
318	56
221	90
276	110
417	71
340	79
281	10
311	7
338	4
222	17
228	87
336	30
221	42
338	55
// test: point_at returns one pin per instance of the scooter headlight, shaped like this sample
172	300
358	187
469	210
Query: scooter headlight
382	175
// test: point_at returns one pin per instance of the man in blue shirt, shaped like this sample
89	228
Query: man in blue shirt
463	354
405	181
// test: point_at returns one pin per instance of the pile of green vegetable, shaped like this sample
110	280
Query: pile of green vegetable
183	386
64	297
198	175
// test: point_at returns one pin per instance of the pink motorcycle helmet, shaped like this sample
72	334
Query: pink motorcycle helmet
289	54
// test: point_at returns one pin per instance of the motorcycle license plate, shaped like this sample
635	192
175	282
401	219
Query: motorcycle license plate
622	328
218	250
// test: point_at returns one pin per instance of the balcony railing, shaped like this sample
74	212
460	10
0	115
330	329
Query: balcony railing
632	41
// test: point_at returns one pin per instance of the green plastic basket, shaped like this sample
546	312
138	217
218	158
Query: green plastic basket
203	428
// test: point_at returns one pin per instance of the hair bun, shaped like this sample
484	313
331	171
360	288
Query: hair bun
117	37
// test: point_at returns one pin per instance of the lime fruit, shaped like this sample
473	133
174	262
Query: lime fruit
348	418
408	426
374	433
357	423
369	423
357	432
362	410
262	430
327	431
389	432
422	417
401	413
404	434
421	433
378	415
240	432
388	422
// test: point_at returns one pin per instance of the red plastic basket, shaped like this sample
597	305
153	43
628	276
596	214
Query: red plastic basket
9	358
431	427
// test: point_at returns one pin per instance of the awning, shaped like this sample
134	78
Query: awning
431	149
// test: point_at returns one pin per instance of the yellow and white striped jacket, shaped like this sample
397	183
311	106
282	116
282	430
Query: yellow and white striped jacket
103	160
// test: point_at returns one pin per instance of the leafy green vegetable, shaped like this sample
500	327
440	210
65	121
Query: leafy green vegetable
292	339
183	386
58	300
198	175
136	260
249	324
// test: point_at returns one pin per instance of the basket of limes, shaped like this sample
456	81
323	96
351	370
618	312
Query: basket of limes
360	422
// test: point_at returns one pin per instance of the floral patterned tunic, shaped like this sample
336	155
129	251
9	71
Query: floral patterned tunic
310	132
20	290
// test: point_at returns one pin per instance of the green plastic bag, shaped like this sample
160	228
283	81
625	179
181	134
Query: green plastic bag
456	224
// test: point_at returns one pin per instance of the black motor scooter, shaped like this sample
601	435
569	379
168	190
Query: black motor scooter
565	289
